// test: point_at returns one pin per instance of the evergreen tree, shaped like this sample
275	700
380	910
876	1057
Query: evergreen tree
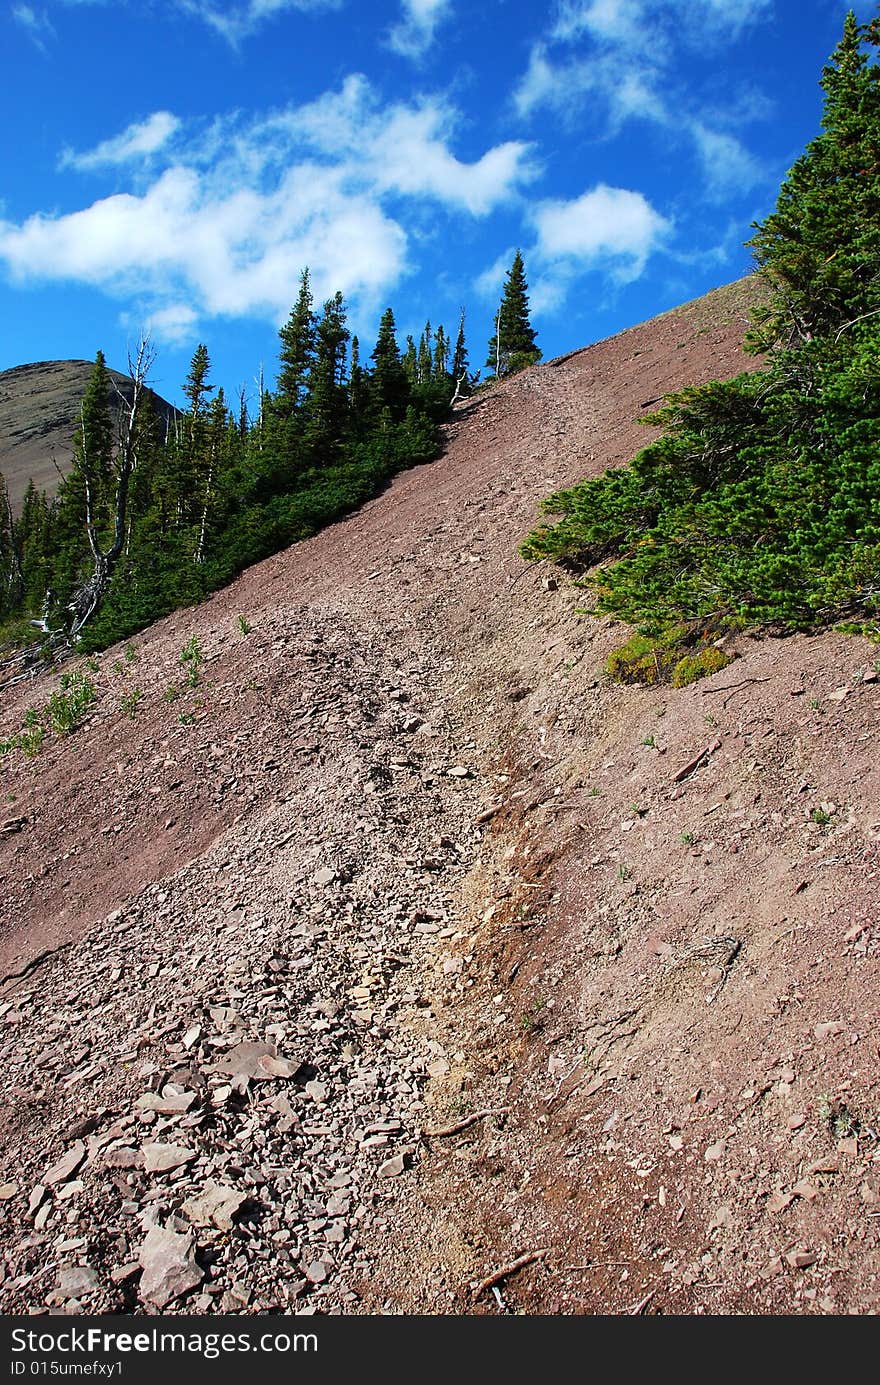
297	351
440	370
410	360
512	345
461	378
389	386
820	248
423	366
358	393
326	405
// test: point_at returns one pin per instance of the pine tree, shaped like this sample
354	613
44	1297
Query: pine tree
389	385
297	351
441	355
326	407
461	378
512	345
820	248
423	368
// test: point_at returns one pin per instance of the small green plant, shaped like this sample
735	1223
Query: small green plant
623	872
92	664
192	657
815	704
244	625
820	817
186	718
62	714
594	792
171	693
129	703
687	838
130	653
66	709
840	1121
637	810
710	720
649	742
533	1019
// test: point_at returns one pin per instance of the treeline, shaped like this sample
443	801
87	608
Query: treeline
153	516
760	504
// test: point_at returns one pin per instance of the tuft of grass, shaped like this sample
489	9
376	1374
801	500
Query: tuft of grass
244	625
128	704
192	657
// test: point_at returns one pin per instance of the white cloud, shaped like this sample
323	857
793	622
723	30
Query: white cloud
490	282
136	142
36	23
227	225
176	324
405	149
622	57
564	86
237	22
639	23
604	227
728	167
414	34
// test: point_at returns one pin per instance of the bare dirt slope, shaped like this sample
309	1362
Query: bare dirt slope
39	408
404	861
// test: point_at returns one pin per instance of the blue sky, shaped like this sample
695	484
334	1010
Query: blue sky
171	165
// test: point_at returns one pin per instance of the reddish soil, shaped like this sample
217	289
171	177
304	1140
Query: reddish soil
662	985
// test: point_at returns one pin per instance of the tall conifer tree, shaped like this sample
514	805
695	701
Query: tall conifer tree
512	346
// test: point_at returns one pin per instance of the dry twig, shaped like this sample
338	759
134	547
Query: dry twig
468	1121
519	1263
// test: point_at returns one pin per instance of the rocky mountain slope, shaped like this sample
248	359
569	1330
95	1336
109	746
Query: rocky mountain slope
39	407
405	964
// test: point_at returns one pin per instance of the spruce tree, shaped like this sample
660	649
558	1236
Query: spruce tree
389	385
512	345
297	351
461	379
820	248
325	408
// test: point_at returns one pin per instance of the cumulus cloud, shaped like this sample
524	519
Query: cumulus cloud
135	143
414	34
405	150
227	224
604	227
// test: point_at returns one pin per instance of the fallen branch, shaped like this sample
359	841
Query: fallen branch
695	763
465	1124
732	688
640	1306
34	963
506	1270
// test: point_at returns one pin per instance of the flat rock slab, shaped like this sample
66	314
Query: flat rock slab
169	1267
77	1280
256	1061
216	1205
67	1165
162	1158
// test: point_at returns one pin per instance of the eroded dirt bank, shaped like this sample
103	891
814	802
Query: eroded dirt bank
406	840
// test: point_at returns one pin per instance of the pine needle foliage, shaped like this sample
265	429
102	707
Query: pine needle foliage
759	505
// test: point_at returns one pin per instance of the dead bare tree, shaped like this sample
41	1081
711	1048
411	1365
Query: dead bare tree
129	436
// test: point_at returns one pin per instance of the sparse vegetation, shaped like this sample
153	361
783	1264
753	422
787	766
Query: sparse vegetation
192	657
62	714
244	625
759	506
128	703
